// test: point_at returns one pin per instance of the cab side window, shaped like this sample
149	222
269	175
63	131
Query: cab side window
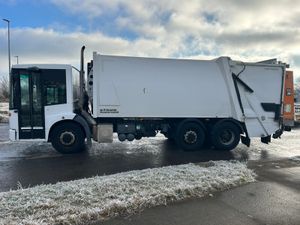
54	86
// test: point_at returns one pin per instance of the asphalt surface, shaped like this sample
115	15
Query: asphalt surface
274	199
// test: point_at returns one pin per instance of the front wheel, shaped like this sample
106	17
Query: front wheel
225	136
68	138
190	136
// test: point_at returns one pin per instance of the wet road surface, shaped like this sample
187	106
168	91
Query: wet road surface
30	163
274	199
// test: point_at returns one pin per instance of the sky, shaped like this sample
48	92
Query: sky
53	31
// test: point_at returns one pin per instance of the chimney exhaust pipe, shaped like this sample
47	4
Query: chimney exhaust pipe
81	85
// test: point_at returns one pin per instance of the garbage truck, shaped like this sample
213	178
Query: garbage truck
192	102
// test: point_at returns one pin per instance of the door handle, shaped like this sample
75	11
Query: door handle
15	111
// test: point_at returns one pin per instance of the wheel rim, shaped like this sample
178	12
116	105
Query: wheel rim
226	137
190	137
67	138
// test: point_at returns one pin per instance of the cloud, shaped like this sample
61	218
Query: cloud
39	45
257	22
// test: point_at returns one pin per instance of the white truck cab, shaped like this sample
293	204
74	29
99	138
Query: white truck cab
40	98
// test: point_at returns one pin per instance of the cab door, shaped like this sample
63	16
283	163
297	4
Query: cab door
30	105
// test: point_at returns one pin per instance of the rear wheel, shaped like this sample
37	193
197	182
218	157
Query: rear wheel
68	138
190	136
225	136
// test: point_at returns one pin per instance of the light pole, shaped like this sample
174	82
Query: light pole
16	56
8	42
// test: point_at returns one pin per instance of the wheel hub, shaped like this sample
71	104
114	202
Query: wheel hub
190	137
227	137
67	138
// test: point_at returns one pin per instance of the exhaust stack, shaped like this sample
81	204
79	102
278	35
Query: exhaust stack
81	85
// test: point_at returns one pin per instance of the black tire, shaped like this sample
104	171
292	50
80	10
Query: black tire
169	137
68	138
225	136
190	136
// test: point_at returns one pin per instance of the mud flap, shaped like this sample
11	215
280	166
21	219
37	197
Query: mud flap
245	140
266	139
278	133
88	143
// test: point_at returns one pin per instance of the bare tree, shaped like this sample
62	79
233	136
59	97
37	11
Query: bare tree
4	89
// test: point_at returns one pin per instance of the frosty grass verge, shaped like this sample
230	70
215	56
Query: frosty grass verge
103	197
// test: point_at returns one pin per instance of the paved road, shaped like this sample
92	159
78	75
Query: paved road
30	163
274	198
